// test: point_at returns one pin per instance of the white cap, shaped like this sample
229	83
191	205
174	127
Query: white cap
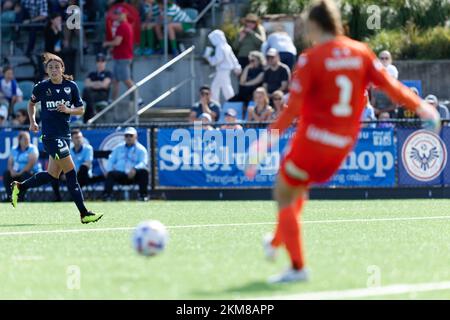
3	111
130	130
206	116
272	52
431	98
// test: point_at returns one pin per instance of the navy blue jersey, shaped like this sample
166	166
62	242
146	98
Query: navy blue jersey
55	124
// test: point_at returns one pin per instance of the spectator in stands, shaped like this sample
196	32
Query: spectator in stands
443	111
383	120
128	164
9	88
251	78
21	118
22	163
179	21
277	75
53	34
148	23
34	11
251	37
122	51
386	59
231	120
368	113
261	111
4	116
206	120
407	114
82	154
282	42
279	104
97	86
205	105
224	61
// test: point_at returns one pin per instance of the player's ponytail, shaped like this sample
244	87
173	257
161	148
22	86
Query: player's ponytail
326	14
48	57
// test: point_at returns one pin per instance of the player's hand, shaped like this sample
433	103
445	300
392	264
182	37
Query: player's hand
34	127
430	116
62	108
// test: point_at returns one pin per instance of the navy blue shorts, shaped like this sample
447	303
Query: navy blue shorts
57	148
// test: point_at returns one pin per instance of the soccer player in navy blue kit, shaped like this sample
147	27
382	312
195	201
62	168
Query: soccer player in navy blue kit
60	98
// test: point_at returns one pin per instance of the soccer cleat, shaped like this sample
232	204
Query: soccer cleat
90	217
15	193
290	275
269	250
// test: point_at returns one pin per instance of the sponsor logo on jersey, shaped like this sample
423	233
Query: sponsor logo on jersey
343	63
52	105
67	90
424	155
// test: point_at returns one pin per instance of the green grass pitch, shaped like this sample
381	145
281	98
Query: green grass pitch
215	251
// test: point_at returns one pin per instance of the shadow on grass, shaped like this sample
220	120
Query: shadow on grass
256	287
18	225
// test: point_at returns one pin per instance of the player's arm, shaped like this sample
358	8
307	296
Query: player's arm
400	94
34	127
78	109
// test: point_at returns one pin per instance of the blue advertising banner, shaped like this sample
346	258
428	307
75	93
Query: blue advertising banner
100	139
423	157
215	158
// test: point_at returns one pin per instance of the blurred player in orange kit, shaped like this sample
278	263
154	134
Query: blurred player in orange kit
327	97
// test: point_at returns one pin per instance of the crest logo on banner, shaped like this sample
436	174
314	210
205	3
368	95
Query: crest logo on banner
424	155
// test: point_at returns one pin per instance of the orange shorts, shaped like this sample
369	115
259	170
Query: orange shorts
308	162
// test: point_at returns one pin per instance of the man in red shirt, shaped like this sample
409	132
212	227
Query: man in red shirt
122	50
327	96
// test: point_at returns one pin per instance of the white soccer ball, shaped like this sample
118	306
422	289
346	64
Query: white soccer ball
150	238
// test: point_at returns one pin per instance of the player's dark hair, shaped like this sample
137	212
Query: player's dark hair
205	87
47	57
326	14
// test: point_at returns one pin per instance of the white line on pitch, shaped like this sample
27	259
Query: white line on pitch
13	233
363	292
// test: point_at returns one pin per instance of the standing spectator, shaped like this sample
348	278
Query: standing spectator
443	111
10	88
179	21
205	105
251	37
261	111
279	103
225	61
22	163
34	11
21	118
122	51
231	120
53	34
251	78
82	155
277	75
282	42
97	86
3	116
148	23
128	164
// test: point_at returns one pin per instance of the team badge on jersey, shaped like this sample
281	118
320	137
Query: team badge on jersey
67	90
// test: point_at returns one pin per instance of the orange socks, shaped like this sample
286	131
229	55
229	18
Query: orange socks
288	231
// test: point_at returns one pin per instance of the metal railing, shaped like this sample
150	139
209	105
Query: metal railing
134	89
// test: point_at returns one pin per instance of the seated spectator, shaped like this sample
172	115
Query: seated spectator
231	121
21	118
148	20
279	103
224	61
261	111
179	21
205	105
97	86
251	37
82	154
128	164
10	88
386	60
206	120
251	78
407	114
368	115
383	120
282	42
443	111
22	163
4	116
277	75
